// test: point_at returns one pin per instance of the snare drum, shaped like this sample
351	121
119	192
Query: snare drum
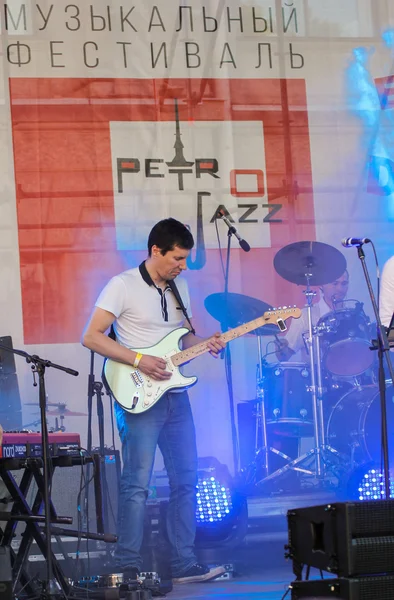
354	426
288	399
345	342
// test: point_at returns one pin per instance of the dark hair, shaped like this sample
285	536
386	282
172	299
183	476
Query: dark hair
167	234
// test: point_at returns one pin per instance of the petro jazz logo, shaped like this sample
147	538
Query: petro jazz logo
189	170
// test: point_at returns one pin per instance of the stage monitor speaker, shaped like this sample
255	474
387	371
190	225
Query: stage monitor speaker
348	539
362	588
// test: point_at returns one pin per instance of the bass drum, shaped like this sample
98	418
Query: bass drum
354	426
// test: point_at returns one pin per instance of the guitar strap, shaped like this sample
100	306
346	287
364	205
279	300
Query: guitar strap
178	298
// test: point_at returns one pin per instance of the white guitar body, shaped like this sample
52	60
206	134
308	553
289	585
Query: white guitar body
137	392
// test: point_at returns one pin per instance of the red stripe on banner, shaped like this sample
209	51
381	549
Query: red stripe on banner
64	185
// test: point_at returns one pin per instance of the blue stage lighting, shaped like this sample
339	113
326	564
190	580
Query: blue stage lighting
221	512
371	486
214	501
367	483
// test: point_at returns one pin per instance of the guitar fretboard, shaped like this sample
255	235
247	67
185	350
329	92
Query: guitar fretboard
269	317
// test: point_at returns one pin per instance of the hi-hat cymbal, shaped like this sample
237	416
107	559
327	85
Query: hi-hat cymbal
313	262
239	310
65	412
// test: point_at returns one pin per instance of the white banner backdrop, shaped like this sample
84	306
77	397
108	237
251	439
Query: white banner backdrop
284	112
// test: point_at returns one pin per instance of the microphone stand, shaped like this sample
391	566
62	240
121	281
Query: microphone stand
51	587
95	389
227	355
382	345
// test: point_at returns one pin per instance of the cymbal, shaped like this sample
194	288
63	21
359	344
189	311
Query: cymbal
322	262
65	412
61	409
240	310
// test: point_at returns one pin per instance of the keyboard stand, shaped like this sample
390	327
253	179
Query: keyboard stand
21	511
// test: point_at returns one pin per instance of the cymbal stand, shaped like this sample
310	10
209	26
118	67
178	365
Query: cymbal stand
251	474
262	452
318	453
310	341
260	463
320	390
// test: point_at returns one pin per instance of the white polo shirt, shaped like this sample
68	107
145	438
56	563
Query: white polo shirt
144	313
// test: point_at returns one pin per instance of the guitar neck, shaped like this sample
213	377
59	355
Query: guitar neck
187	355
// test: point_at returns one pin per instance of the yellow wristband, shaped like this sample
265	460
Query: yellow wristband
137	360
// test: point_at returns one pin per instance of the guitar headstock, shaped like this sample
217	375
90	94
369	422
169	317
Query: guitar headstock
277	316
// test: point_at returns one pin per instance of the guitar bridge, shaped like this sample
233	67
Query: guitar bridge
137	378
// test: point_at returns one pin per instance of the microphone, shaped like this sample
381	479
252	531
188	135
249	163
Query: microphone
349	242
243	243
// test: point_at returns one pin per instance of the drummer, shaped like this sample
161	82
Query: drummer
331	298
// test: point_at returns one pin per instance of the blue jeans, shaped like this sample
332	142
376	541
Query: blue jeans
169	424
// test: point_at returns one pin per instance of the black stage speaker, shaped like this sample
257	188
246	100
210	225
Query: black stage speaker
5	574
65	489
361	588
348	539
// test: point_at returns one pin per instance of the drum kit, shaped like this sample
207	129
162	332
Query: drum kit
331	398
58	410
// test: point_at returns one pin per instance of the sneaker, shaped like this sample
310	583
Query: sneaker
198	573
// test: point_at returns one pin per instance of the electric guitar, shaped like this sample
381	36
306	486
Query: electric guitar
137	392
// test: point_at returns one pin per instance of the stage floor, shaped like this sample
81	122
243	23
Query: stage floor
270	584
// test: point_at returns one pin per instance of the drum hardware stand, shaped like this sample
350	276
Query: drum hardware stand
248	474
319	452
261	419
381	344
261	422
53	587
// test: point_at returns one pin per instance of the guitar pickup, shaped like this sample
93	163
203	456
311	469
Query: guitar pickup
281	324
137	378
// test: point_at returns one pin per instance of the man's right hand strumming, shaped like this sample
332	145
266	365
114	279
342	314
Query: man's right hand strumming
154	366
